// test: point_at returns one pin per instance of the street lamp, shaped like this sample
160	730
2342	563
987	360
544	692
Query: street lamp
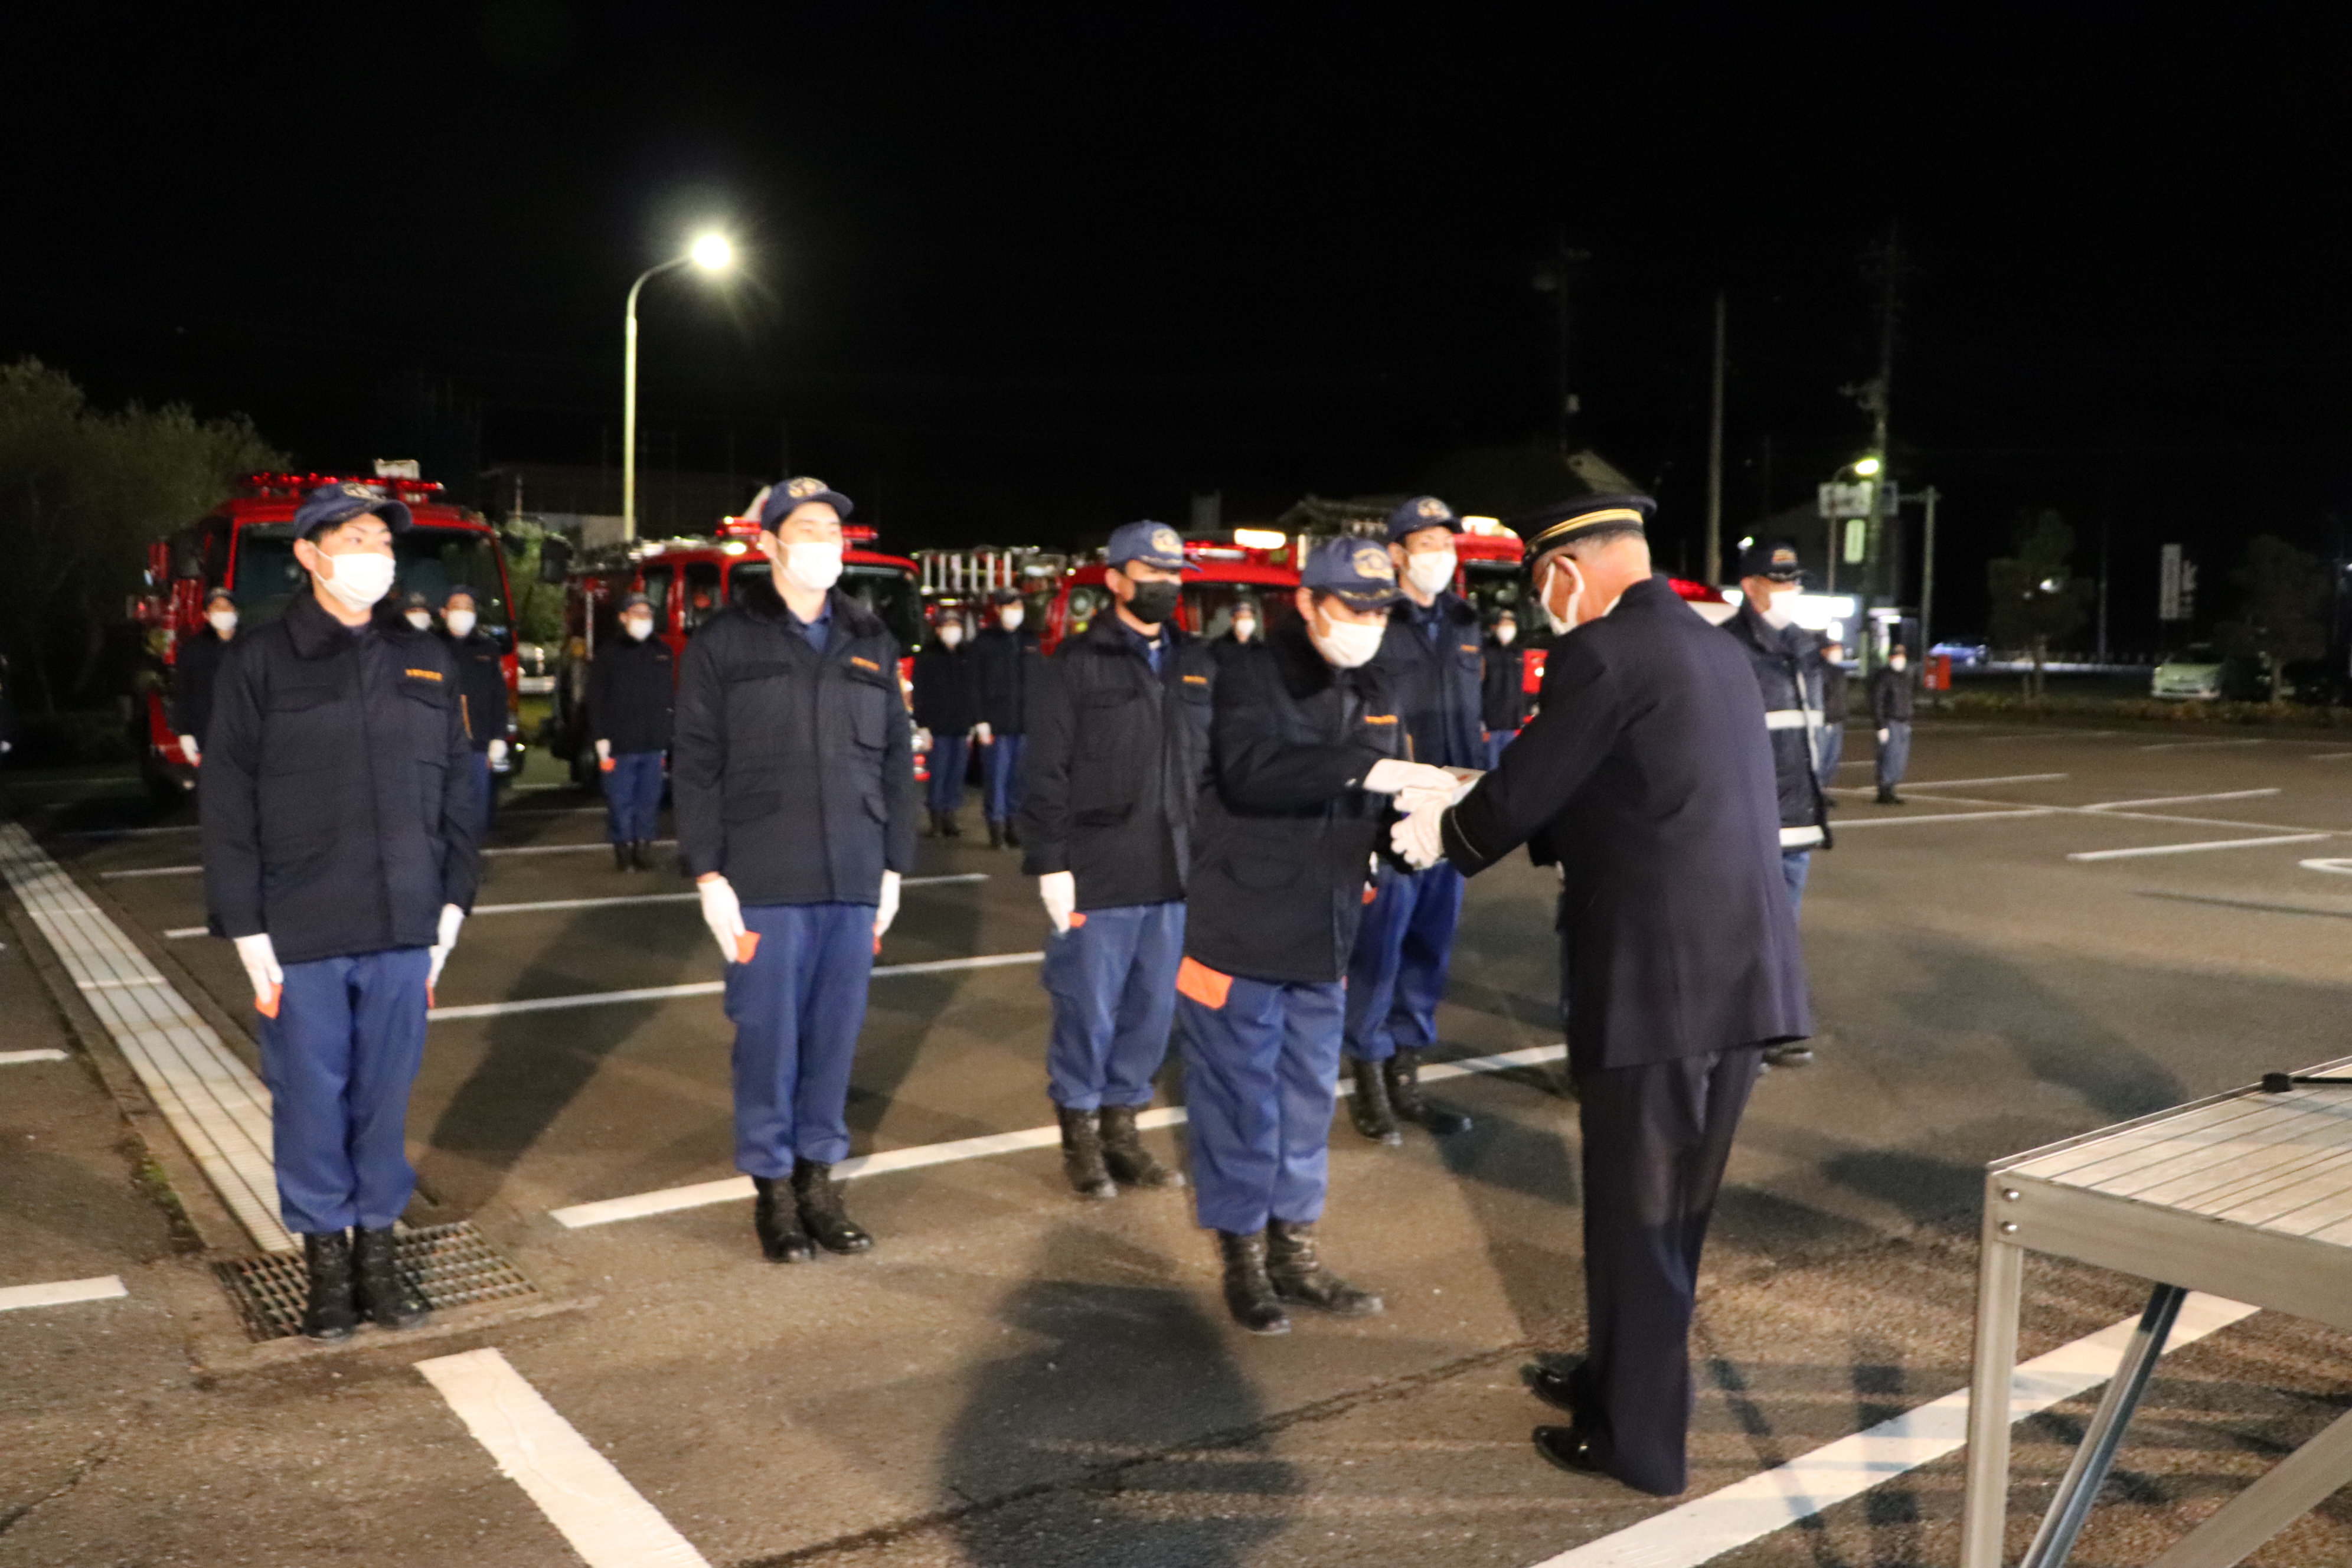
1867	468
712	253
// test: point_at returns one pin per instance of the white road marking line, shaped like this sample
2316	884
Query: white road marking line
1723	1520
732	1189
149	871
2176	800
47	1054
2329	756
182	933
2341	867
2191	745
607	1520
2046	735
212	1100
61	1292
2005	778
1943	816
507	849
707	988
2193	848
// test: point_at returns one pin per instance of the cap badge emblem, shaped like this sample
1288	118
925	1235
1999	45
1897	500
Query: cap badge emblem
1430	506
1164	540
1372	562
801	488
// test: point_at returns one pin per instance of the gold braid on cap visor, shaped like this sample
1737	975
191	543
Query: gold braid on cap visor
1589	519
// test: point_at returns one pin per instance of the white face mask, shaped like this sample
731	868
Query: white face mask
1775	611
950	633
459	622
638	627
1561	624
223	621
1010	617
1432	571
1244	628
1345	645
813	566
1897	660
1505	634
421	619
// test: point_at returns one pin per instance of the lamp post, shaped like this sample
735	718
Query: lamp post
713	254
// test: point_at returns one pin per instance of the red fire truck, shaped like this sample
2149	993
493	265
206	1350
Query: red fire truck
690	580
1258	564
246	544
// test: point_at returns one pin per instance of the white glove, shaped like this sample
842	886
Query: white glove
452	917
922	740
1882	737
982	733
723	913
603	750
1420	838
188	745
260	961
1058	891
1390	776
498	754
887	909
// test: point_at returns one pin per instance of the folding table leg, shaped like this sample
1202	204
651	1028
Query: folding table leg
2097	1457
2001	1269
2296	1485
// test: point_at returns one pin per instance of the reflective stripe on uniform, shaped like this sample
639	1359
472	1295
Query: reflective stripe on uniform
1800	838
1791	719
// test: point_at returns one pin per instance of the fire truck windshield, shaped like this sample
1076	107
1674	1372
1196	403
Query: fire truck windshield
1496	587
432	562
888	590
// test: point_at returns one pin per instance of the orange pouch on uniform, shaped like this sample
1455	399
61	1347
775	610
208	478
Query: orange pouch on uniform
746	946
1203	984
1077	919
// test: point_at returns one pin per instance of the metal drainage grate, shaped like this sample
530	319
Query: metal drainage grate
449	1265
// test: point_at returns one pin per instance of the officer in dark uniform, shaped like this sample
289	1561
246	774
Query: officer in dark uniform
1786	661
1396	977
1241	630
1892	704
1503	685
1119	748
793	776
1648	772
195	667
632	691
481	691
1004	658
339	849
947	709
1307	745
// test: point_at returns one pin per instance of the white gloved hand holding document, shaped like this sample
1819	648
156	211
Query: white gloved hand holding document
1419	837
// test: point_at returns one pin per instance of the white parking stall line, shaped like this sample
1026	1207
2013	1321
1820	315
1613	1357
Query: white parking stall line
61	1292
1946	816
2341	867
46	1054
607	1521
1723	1520
732	1189
2195	745
149	871
2052	734
2193	848
2329	756
2177	800
708	988
2005	778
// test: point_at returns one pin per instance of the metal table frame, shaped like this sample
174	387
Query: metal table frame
2161	1238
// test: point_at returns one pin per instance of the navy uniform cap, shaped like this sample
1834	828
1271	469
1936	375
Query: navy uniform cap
1153	544
216	595
343	500
456	589
633	601
1005	596
1775	559
414	599
1565	522
783	498
1355	570
1419	512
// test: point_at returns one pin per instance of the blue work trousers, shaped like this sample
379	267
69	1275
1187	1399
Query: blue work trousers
1496	741
1261	1075
1396	976
1112	976
1003	801
633	792
485	793
1796	864
340	1060
1894	753
950	755
797	1007
1831	751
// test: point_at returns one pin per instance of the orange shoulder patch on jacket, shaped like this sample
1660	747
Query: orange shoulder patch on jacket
1380	719
1196	681
422	674
865	664
1203	984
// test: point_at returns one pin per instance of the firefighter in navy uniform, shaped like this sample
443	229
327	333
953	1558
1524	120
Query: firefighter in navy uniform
632	696
947	711
793	776
1118	748
1004	661
1306	747
339	847
1503	686
1429	658
195	667
1647	775
481	691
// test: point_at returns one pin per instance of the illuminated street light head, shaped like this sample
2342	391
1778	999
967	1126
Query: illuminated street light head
1866	467
713	254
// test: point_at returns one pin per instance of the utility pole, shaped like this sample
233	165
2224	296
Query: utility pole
1883	265
1715	456
1927	573
1556	276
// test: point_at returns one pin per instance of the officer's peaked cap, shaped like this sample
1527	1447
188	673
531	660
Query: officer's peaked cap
783	498
1153	544
1419	512
1563	522
1357	570
343	500
633	601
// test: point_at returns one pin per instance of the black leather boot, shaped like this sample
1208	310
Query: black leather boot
776	1220
329	1316
620	856
1082	1155
641	855
1401	1073
1368	1108
995	834
1298	1275
820	1205
949	827
1249	1294
1793	1055
1886	795
1011	835
1124	1152
931	823
381	1294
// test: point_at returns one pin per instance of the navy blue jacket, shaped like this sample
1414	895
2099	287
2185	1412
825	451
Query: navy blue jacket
337	796
1503	684
1115	764
195	667
482	686
1648	771
632	695
1785	662
1431	658
1284	834
947	689
1003	664
793	769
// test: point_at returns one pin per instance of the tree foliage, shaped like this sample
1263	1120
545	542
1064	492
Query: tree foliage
82	491
2281	605
2036	597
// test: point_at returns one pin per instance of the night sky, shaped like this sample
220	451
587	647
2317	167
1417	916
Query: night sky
1020	275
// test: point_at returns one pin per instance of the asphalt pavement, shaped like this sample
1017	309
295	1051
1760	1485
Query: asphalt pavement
2038	944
